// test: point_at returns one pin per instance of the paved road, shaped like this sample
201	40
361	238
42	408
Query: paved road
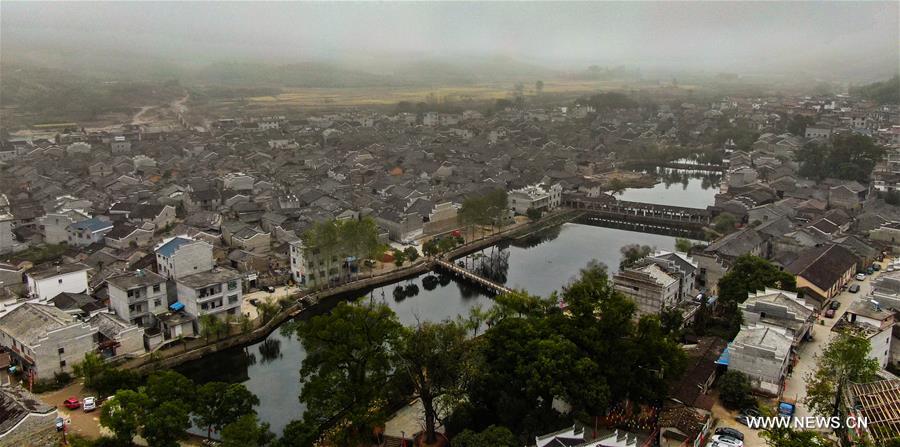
796	384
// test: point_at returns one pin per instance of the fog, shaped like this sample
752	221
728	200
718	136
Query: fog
856	39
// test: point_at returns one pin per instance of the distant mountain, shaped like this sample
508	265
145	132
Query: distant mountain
884	92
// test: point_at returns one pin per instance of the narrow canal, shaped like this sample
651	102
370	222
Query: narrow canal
540	264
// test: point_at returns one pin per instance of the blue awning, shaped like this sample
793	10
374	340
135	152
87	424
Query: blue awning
176	306
725	357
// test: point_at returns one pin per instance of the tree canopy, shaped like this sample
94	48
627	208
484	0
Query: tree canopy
848	157
845	359
750	274
347	367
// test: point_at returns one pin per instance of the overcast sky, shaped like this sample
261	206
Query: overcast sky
721	35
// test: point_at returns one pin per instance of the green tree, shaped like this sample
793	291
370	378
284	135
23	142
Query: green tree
788	437
431	357
632	253
267	310
124	414
246	431
411	253
845	359
168	386
724	223
210	325
533	213
734	390
348	363
492	436
399	258
616	186
90	368
848	156
166	424
683	245
218	404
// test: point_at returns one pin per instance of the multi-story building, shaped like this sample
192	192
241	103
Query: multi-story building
215	292
44	340
298	262
869	319
762	353
535	197
652	289
181	256
137	297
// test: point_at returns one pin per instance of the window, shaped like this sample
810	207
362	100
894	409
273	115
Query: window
232	299
204	306
62	363
157	303
60	280
61	350
232	285
156	288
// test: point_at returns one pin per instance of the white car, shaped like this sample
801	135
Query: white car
860	276
89	404
725	441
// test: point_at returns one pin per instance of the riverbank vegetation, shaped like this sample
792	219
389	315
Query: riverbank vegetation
847	157
534	366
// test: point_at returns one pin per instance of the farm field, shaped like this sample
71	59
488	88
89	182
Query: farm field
378	96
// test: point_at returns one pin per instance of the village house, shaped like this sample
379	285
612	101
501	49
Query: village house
87	232
181	256
822	271
137	297
215	292
779	308
535	197
763	354
869	319
44	340
48	280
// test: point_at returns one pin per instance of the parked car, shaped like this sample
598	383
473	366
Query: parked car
89	404
835	305
72	403
870	270
60	424
876	267
730	432
855	288
270	289
725	441
829	313
860	276
890	268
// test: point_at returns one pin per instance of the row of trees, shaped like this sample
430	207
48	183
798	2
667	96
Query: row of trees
487	209
162	409
848	157
494	383
328	244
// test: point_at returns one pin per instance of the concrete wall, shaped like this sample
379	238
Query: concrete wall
193	304
146	299
764	368
44	289
187	260
54	227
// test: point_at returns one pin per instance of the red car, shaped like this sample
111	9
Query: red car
72	403
829	313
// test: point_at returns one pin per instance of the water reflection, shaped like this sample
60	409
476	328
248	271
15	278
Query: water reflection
697	188
540	264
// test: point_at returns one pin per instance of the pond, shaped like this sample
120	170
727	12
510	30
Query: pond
540	264
678	187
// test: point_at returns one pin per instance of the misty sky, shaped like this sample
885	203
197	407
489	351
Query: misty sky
723	35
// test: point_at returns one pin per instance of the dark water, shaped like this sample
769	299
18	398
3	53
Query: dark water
539	264
678	187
